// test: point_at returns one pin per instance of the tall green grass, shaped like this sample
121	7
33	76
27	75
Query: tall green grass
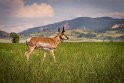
77	63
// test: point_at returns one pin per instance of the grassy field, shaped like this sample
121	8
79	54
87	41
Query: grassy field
77	63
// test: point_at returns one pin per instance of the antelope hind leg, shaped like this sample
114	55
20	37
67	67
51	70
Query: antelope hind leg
28	52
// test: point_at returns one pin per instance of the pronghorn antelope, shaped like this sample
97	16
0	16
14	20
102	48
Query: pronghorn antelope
44	43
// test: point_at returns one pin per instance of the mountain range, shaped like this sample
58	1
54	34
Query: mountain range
88	23
81	28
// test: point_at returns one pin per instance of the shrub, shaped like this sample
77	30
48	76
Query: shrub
15	37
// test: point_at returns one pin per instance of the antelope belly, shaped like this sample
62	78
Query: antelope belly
46	49
43	45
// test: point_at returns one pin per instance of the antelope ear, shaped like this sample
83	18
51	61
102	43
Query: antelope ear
58	29
63	30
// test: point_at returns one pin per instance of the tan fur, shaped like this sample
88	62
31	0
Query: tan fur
52	41
44	43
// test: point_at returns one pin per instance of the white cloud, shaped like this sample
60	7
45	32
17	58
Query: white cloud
17	28
16	16
35	10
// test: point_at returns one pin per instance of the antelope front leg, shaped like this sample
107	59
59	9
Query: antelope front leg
52	53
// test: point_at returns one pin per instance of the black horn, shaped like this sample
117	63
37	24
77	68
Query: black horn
63	30
58	29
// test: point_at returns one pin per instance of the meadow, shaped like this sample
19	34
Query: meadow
78	62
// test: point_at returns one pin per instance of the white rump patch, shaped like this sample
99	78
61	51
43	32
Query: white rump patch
28	40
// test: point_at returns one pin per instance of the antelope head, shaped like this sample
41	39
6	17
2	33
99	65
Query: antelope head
61	34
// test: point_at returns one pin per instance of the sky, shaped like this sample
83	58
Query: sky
19	15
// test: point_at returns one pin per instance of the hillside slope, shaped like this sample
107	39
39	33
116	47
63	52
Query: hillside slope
93	24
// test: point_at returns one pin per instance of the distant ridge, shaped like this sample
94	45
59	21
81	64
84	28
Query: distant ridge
4	34
93	24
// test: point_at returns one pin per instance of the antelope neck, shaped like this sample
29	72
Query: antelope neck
57	38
